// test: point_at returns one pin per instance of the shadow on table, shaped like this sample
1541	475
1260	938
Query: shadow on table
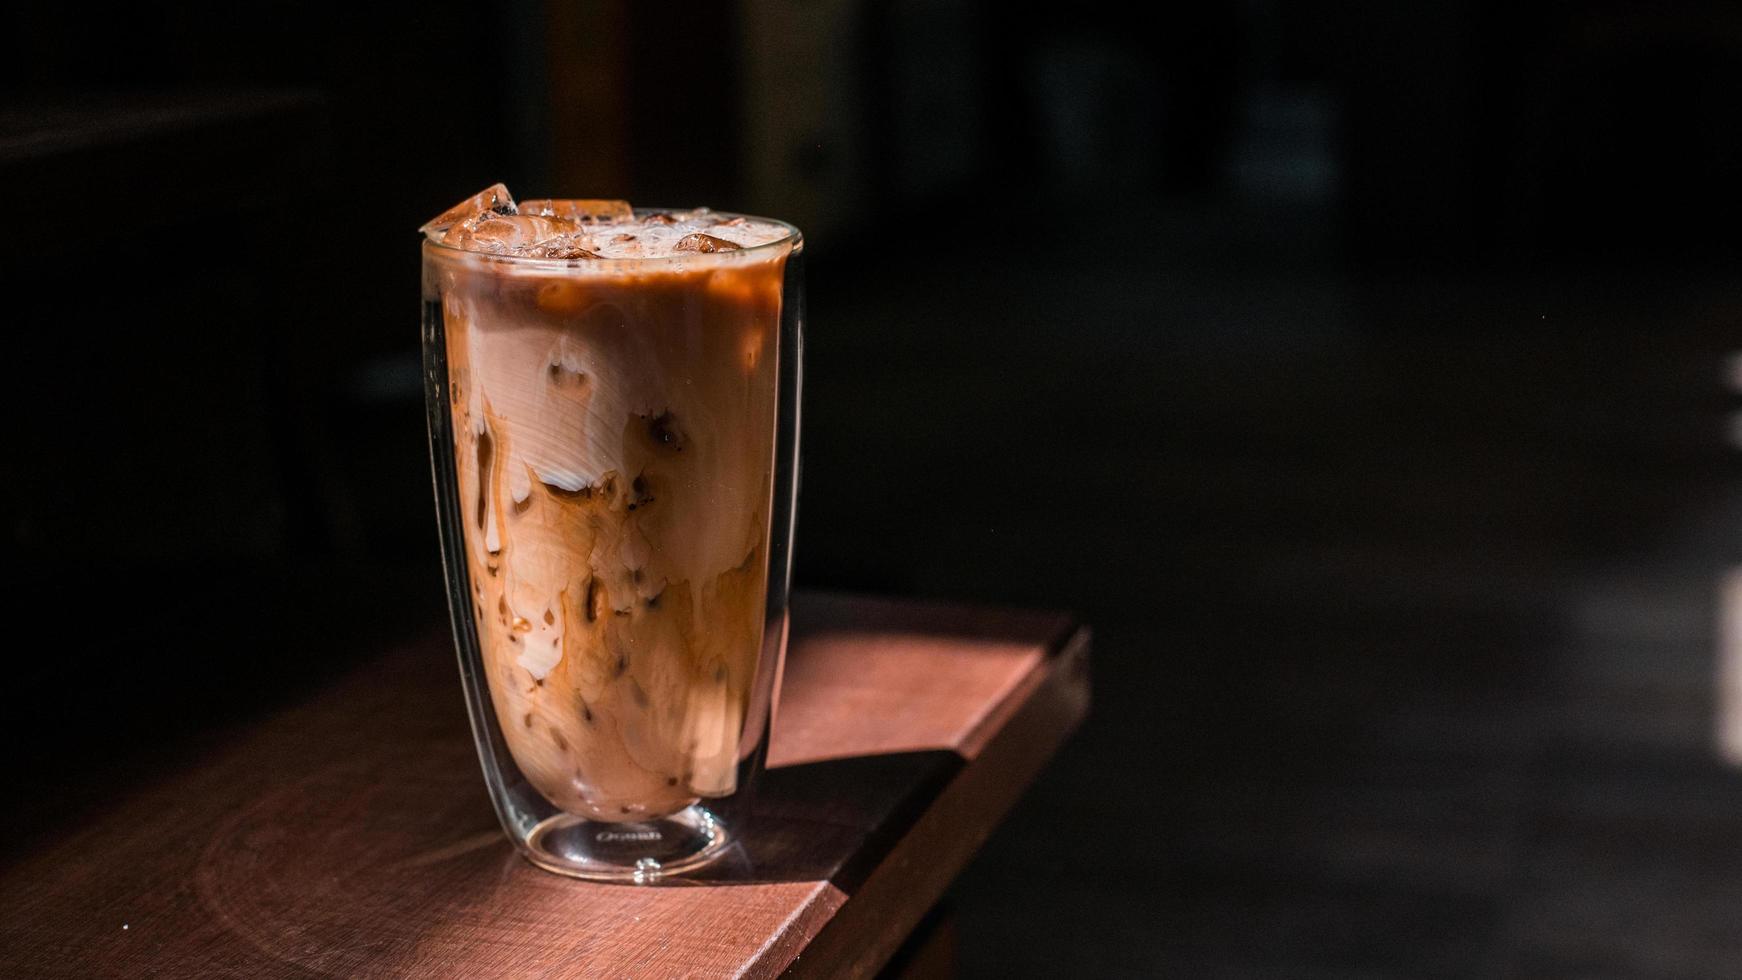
831	820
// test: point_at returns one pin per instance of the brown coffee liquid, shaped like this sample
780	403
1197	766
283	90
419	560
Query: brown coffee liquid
614	434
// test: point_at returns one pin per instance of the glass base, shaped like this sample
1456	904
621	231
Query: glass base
639	853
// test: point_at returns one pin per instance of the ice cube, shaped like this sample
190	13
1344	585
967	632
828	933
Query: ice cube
562	247
500	233
584	210
699	242
494	199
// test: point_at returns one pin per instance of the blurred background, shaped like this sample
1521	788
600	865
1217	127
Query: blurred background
1362	372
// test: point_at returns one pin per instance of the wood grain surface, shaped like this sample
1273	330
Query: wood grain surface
351	836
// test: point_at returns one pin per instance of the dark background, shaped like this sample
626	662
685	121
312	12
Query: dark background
1360	370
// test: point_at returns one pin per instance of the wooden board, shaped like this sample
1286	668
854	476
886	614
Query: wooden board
351	835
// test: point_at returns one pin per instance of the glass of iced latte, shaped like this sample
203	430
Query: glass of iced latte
613	419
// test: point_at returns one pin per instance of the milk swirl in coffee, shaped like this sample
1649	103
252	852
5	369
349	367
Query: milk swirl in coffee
612	396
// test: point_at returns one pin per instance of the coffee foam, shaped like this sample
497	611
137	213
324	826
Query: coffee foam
491	223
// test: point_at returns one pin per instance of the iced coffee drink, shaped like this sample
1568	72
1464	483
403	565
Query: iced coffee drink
611	397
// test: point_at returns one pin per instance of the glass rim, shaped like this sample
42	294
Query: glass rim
793	238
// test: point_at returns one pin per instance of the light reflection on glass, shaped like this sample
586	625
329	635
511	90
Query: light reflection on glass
1727	716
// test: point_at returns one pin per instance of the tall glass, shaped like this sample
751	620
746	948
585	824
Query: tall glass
615	447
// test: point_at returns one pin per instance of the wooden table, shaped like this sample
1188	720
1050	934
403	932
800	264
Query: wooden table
351	835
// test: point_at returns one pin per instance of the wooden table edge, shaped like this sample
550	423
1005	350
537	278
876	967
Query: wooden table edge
871	924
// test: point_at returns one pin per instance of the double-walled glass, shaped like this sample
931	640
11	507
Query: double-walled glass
615	445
